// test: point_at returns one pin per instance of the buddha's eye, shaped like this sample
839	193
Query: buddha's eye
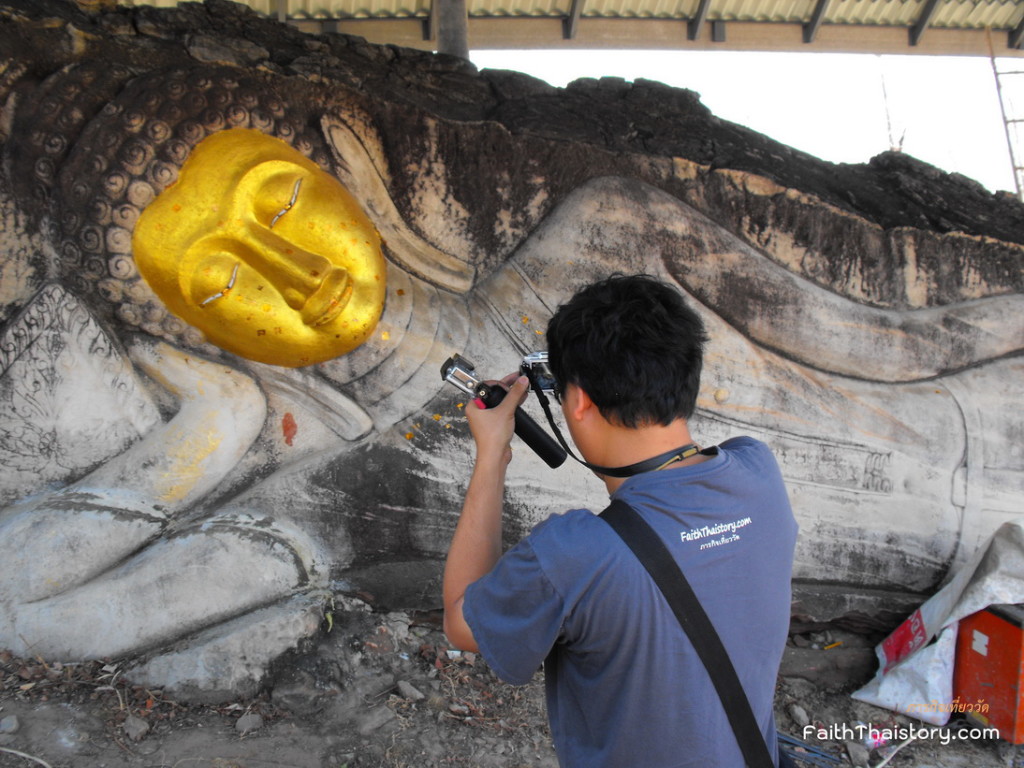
223	291
289	204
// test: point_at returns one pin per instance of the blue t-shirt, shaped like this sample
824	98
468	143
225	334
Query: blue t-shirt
624	686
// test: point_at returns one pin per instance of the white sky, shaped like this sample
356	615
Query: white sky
838	107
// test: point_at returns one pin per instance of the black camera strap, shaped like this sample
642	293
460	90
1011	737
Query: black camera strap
647	465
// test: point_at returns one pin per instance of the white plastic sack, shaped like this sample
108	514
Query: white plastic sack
915	675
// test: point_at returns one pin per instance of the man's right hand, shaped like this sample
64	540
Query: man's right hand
492	428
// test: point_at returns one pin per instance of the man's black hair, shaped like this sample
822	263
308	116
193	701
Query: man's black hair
634	346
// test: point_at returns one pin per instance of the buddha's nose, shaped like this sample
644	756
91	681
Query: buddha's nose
295	272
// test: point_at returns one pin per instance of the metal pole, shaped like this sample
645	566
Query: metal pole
452	27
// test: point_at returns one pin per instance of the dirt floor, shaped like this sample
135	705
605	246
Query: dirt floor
384	690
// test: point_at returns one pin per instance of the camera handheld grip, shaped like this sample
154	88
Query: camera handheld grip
529	431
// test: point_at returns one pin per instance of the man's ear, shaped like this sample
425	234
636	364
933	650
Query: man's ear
578	402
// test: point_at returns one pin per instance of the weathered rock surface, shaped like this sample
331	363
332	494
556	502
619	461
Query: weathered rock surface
877	221
893	190
866	322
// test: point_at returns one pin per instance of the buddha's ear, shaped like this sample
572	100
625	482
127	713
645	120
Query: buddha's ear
362	167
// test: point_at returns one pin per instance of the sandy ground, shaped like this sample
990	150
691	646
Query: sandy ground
384	690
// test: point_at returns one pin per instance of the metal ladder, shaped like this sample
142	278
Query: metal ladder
1010	88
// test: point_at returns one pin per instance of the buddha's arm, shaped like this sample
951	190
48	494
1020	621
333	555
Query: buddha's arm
69	536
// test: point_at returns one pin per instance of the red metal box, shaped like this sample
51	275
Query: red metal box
989	670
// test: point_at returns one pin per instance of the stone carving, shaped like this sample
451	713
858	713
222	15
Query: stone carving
170	501
69	400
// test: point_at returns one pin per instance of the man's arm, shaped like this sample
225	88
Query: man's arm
476	545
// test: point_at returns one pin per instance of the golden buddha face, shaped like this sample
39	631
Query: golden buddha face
265	253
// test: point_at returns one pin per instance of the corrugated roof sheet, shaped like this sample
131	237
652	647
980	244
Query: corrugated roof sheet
970	14
542	8
853	15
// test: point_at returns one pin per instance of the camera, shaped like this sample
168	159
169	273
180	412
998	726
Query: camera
536	368
461	373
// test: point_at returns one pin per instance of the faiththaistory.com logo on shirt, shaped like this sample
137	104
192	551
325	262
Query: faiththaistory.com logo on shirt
876	736
726	533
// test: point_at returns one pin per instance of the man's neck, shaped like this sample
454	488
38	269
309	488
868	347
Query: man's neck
622	446
607	444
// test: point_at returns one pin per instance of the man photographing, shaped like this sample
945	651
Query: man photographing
625	686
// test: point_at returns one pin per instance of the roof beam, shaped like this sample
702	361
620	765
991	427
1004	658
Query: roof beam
923	21
430	25
694	25
571	22
811	27
1016	36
